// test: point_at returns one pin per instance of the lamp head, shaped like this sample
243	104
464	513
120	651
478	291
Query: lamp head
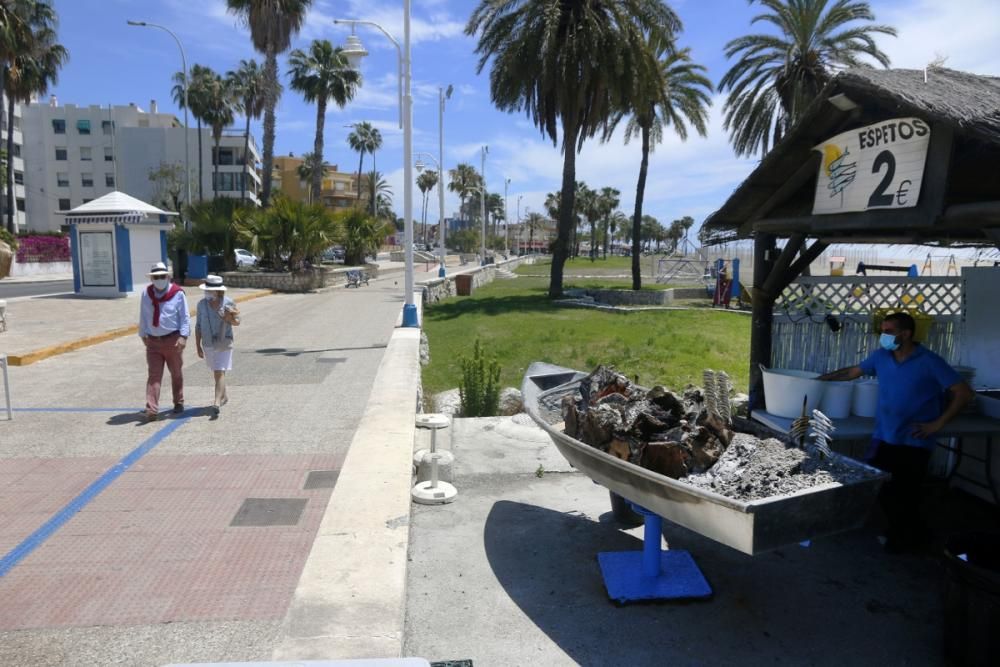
419	165
353	49
448	92
138	23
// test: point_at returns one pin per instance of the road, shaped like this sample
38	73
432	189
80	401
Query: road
182	540
11	290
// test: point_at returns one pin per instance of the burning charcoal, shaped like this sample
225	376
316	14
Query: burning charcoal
705	449
667	401
597	426
626	449
667	458
718	428
647	425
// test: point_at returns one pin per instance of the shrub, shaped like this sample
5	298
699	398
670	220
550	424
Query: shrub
8	238
43	248
479	388
362	235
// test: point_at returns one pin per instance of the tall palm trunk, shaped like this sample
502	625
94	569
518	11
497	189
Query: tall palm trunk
317	175
640	190
11	199
374	186
10	162
246	157
361	165
215	179
271	91
607	222
201	165
567	217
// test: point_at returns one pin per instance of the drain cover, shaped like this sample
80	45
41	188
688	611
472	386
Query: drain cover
452	663
269	512
321	479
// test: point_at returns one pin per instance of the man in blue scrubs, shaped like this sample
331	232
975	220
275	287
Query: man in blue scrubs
912	384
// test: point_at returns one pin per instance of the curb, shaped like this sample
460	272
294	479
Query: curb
44	353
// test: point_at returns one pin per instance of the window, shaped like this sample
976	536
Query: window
83	126
59	126
64	205
87	180
108	155
340	186
87	200
143	122
20	205
61	154
19	177
107	126
226	156
17	150
62	179
85	153
109	180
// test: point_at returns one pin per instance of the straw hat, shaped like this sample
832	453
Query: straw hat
159	269
212	283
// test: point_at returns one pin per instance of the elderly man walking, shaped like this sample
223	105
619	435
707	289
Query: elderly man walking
164	326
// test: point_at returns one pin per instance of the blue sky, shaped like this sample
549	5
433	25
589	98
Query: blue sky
112	63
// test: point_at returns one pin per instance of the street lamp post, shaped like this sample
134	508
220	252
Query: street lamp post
517	242
420	167
443	95
354	51
506	226
482	201
187	139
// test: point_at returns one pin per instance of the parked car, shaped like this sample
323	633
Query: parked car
334	254
245	258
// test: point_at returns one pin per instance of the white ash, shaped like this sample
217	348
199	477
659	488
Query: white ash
752	468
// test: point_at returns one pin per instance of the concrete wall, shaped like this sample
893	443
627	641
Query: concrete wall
39	268
300	281
441	288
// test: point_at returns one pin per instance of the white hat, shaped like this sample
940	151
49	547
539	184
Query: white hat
212	283
159	269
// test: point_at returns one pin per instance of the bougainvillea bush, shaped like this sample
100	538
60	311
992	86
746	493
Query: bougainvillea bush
43	249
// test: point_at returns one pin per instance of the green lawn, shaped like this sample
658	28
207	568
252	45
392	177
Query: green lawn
518	324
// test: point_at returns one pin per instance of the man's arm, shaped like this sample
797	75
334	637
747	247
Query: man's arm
960	395
185	317
843	374
145	315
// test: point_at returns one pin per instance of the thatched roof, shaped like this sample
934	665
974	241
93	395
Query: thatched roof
969	104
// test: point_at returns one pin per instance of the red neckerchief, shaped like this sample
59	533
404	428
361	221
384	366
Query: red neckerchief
157	300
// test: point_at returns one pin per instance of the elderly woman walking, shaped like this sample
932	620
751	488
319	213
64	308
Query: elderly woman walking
213	334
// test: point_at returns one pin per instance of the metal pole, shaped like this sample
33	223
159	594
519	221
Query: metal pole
187	132
410	318
517	241
506	227
441	269
482	201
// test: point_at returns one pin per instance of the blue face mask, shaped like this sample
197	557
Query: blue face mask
888	342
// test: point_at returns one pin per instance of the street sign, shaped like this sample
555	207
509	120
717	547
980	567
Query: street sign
875	167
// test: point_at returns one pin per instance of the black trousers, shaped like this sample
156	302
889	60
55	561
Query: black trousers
900	497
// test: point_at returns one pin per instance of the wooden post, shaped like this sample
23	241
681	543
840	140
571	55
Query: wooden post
763	311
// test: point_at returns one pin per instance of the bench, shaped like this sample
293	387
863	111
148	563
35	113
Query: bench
355	278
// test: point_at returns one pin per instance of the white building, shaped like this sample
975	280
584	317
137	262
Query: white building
77	154
19	197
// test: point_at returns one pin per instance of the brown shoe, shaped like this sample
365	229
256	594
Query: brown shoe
152	416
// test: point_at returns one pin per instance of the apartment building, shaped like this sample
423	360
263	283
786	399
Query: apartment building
20	218
77	154
339	189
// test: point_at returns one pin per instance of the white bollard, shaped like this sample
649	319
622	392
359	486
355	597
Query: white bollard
6	386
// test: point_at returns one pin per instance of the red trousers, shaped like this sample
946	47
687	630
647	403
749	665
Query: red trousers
160	351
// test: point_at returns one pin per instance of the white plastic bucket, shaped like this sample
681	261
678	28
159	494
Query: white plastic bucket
784	391
837	397
865	401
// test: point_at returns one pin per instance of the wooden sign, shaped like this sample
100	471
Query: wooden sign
874	167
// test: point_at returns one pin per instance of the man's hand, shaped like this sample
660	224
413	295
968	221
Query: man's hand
927	429
181	342
145	341
201	352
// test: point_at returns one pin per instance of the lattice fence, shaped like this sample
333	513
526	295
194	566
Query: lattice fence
809	309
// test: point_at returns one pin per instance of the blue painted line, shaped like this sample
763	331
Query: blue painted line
78	410
37	538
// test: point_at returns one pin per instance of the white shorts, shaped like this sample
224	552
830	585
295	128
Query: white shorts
219	360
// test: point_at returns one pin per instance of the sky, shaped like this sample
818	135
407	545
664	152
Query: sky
113	63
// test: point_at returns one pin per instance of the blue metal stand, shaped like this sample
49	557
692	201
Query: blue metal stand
651	574
441	272
410	318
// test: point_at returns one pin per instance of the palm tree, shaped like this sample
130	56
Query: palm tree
619	227
30	59
220	112
426	182
583	56
308	171
380	193
678	93
199	83
607	201
272	24
534	221
463	180
777	76
322	74
365	138
247	82
586	206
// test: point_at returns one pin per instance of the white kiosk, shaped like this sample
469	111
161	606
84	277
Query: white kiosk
113	241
